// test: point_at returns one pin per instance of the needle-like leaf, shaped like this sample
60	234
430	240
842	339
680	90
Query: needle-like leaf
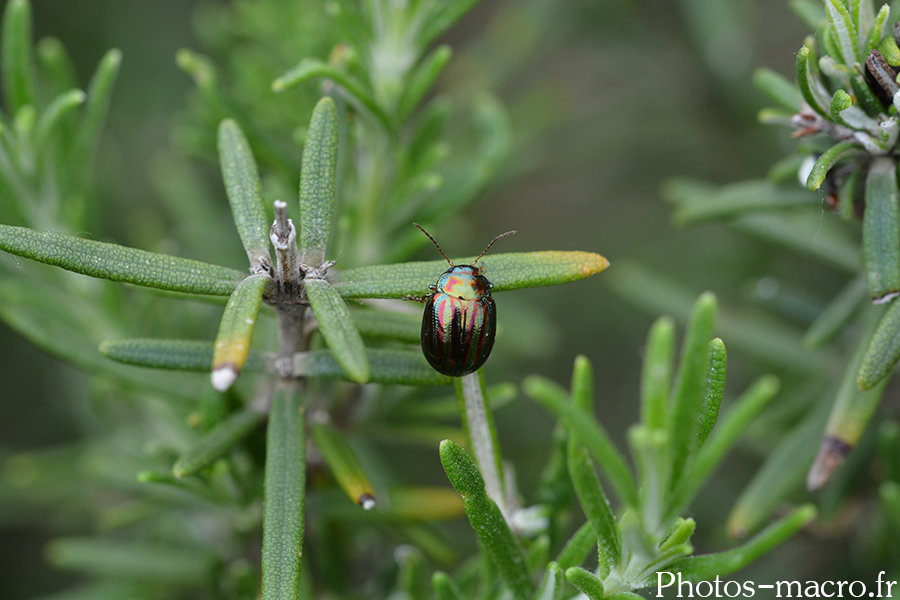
119	263
284	497
508	271
337	328
244	191
317	181
17	70
236	331
487	521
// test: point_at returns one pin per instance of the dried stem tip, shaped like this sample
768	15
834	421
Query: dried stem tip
284	239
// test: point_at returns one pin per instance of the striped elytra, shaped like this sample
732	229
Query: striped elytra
460	320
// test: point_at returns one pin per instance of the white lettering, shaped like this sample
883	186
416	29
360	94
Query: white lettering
727	589
790	586
659	583
850	589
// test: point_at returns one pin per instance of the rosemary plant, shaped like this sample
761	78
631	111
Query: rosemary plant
843	110
236	455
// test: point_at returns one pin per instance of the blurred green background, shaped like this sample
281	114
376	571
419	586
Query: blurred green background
607	100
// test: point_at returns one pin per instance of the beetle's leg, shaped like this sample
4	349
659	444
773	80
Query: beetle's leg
415	298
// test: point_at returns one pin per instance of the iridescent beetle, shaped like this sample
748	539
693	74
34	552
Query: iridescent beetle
460	320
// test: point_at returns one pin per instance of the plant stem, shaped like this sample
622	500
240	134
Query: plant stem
482	438
284	239
289	311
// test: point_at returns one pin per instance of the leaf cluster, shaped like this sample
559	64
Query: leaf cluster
836	358
675	448
216	459
228	478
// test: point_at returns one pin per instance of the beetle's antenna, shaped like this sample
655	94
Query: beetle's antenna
438	246
502	235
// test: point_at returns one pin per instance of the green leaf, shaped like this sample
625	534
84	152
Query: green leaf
696	204
17	70
846	195
656	376
583	384
778	88
724	436
883	350
834	317
156	563
193	486
553	587
388	366
506	271
426	146
867	103
55	65
342	462
715	387
284	497
783	471
494	138
888	47
585	582
51	117
840	102
443	18
203	71
236	331
421	503
311	68
592	435
244	191
411	576
853	407
807	233
538	553
388	325
422	79
119	263
679	534
177	355
710	566
813	92
823	164
182	355
444	587
578	547
844	30
690	384
649	451
555	491
317	181
594	503
205	450
881	231
22	131
337	328
90	128
487	521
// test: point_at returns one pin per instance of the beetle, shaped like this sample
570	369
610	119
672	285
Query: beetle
460	319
